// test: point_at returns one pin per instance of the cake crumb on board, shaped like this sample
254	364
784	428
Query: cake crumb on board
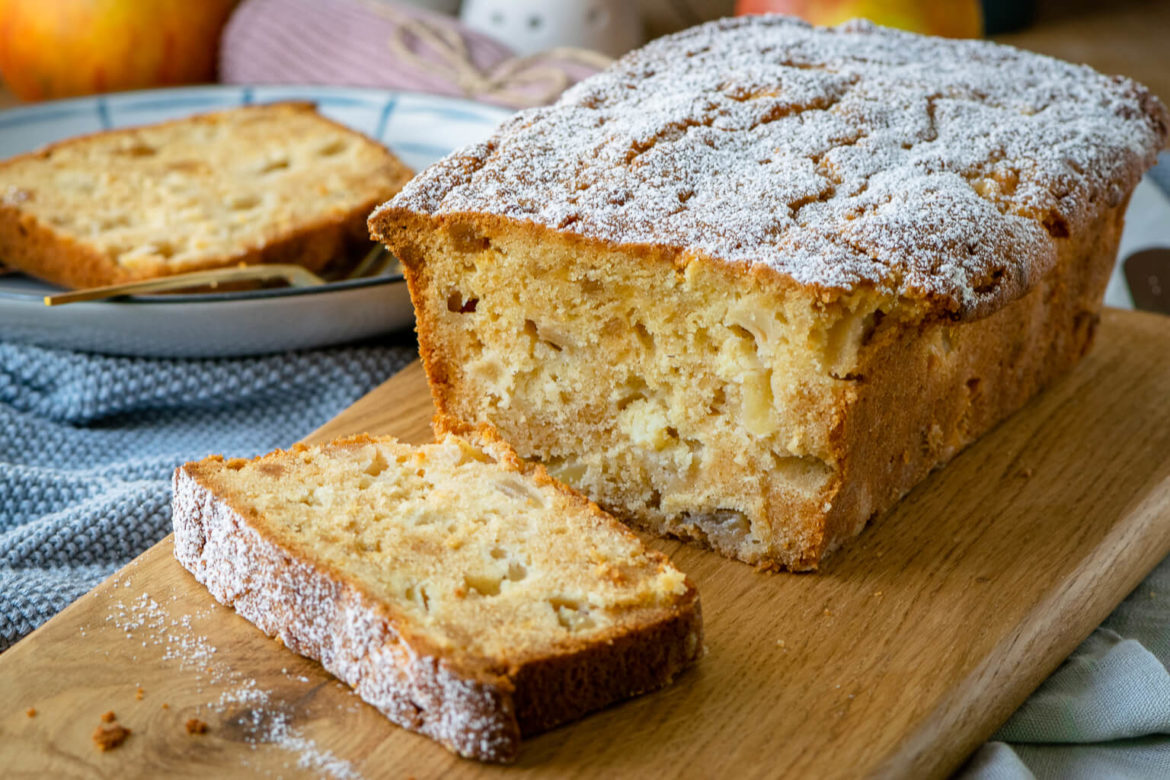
110	737
196	726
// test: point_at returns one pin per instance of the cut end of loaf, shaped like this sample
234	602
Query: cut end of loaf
686	398
717	402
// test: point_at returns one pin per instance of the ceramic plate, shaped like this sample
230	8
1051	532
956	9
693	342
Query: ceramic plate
418	128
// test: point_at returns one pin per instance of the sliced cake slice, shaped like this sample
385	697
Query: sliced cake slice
274	183
462	592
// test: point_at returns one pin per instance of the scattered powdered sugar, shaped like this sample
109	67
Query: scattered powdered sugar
147	616
312	758
267	725
941	170
263	720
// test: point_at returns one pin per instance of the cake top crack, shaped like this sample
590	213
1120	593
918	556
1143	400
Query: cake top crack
943	171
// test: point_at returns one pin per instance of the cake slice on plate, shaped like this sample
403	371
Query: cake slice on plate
273	183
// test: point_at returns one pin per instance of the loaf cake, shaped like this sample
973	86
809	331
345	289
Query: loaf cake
273	183
755	281
459	590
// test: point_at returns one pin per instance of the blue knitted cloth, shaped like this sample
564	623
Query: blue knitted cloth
88	444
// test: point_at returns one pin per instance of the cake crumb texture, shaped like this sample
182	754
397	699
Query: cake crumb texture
107	738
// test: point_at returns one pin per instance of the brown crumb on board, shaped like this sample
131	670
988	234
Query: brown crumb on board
31	712
139	693
166	706
196	726
109	717
110	737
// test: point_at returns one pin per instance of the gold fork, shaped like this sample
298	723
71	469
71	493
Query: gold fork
375	262
294	275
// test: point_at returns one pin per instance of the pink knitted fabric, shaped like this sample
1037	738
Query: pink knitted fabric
347	42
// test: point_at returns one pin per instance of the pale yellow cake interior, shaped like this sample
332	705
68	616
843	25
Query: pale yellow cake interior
209	187
474	556
686	400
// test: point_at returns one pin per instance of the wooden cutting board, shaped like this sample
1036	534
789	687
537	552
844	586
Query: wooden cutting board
899	658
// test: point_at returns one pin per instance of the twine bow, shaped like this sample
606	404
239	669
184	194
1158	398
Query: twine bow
519	81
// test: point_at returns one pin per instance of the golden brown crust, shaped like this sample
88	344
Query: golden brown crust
31	245
964	379
560	688
941	172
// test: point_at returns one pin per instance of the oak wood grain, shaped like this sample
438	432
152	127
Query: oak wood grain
898	659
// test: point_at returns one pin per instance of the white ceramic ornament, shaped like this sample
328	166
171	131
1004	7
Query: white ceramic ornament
611	27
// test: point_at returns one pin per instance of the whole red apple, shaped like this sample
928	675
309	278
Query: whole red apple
56	48
949	18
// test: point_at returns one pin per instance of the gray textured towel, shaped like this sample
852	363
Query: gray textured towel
88	444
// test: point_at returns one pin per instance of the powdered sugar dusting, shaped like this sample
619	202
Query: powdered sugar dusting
936	169
266	725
